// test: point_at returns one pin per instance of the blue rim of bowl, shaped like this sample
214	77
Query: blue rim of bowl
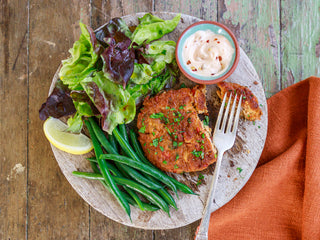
208	80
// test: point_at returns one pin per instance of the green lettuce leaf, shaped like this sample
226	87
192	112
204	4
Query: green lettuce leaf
164	80
75	123
161	51
84	55
115	104
152	28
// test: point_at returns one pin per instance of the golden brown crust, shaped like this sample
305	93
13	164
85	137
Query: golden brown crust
250	106
172	135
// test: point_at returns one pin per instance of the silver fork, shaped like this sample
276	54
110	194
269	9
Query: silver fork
223	137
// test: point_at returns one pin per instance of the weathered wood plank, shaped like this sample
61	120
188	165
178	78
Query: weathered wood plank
256	25
13	118
102	227
206	9
102	11
300	40
55	210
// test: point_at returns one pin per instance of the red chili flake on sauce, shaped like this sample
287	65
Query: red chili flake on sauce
194	69
255	83
188	62
215	39
207	41
212	74
220	58
218	42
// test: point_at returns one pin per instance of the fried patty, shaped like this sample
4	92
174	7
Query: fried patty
171	134
250	106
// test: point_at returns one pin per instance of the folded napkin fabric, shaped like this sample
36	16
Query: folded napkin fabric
282	198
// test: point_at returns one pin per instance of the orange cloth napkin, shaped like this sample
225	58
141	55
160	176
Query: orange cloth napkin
282	198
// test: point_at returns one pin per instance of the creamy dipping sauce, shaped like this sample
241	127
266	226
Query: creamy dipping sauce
207	54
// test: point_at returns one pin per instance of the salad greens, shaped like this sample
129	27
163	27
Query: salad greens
113	102
82	60
152	28
111	70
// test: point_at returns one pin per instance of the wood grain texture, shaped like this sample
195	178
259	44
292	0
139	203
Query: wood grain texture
300	39
206	9
256	25
102	11
13	118
55	211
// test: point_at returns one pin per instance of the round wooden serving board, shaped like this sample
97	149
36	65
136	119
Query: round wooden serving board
237	166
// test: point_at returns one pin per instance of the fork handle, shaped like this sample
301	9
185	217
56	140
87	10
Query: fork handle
202	234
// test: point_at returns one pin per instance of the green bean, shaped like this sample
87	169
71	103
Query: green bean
136	198
162	192
88	175
143	168
113	142
165	194
105	172
116	172
167	197
137	147
124	134
146	206
125	145
101	137
182	187
132	173
151	196
128	171
123	131
98	176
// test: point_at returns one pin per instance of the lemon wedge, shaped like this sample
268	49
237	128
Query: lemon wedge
54	129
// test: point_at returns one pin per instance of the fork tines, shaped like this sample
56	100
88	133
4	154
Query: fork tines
225	114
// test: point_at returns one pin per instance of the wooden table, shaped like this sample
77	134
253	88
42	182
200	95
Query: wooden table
280	37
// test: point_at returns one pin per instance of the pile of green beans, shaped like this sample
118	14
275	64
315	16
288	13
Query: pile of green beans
132	171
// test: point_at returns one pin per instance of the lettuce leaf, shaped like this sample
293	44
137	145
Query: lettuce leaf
159	53
75	123
116	106
84	55
58	104
112	30
118	61
118	56
166	79
152	28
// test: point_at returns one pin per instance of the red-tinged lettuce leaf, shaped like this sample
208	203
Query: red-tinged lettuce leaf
115	30
139	52
116	106
58	104
83	104
119	61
